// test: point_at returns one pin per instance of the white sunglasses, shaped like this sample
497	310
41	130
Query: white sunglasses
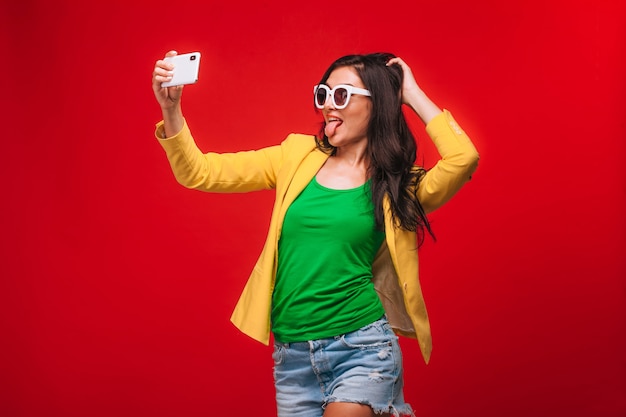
340	95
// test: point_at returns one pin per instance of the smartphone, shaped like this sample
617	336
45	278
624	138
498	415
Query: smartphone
186	68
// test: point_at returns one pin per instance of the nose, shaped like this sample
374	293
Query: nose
329	104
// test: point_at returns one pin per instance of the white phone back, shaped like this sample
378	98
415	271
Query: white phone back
186	67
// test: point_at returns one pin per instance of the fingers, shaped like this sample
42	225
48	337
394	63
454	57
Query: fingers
163	63
410	88
396	60
400	62
163	70
408	74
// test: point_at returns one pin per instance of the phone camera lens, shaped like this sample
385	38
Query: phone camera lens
192	57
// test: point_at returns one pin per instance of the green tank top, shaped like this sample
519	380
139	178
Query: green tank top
324	278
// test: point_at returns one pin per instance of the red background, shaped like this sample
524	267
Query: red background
117	284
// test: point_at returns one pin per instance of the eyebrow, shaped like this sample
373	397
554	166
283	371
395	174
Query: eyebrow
351	85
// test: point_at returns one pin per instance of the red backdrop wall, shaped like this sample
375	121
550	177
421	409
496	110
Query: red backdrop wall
117	284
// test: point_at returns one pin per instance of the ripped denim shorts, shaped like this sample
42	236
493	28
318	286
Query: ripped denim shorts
364	367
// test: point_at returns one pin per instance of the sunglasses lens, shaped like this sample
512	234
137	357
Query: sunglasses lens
341	97
320	96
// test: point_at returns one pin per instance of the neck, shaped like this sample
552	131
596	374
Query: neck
346	169
354	156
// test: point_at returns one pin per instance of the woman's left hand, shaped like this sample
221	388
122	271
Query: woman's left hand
409	85
413	95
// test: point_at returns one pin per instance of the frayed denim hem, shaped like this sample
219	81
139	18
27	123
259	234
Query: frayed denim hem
404	410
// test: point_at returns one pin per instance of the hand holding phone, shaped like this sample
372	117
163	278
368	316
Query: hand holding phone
186	67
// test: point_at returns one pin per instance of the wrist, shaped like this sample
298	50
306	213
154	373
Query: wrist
422	105
173	121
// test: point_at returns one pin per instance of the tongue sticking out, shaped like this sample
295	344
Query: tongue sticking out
331	127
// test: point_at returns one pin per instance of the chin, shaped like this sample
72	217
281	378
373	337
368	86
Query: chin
335	141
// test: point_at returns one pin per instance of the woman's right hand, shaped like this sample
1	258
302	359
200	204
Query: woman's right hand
168	97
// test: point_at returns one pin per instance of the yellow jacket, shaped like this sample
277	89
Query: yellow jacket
288	168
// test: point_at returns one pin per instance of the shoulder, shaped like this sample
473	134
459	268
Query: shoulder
299	144
299	140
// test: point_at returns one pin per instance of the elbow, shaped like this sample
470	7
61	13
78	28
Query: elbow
189	180
471	163
465	163
185	183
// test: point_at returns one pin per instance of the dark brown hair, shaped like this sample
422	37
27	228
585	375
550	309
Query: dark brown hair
391	146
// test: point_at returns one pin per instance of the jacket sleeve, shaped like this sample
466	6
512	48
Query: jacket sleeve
459	160
223	173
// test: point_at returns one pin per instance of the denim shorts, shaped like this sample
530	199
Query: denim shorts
364	367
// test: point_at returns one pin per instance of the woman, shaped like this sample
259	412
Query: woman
338	275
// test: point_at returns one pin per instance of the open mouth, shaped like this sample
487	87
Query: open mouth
331	126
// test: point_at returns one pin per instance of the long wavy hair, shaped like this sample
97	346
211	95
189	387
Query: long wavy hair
391	146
